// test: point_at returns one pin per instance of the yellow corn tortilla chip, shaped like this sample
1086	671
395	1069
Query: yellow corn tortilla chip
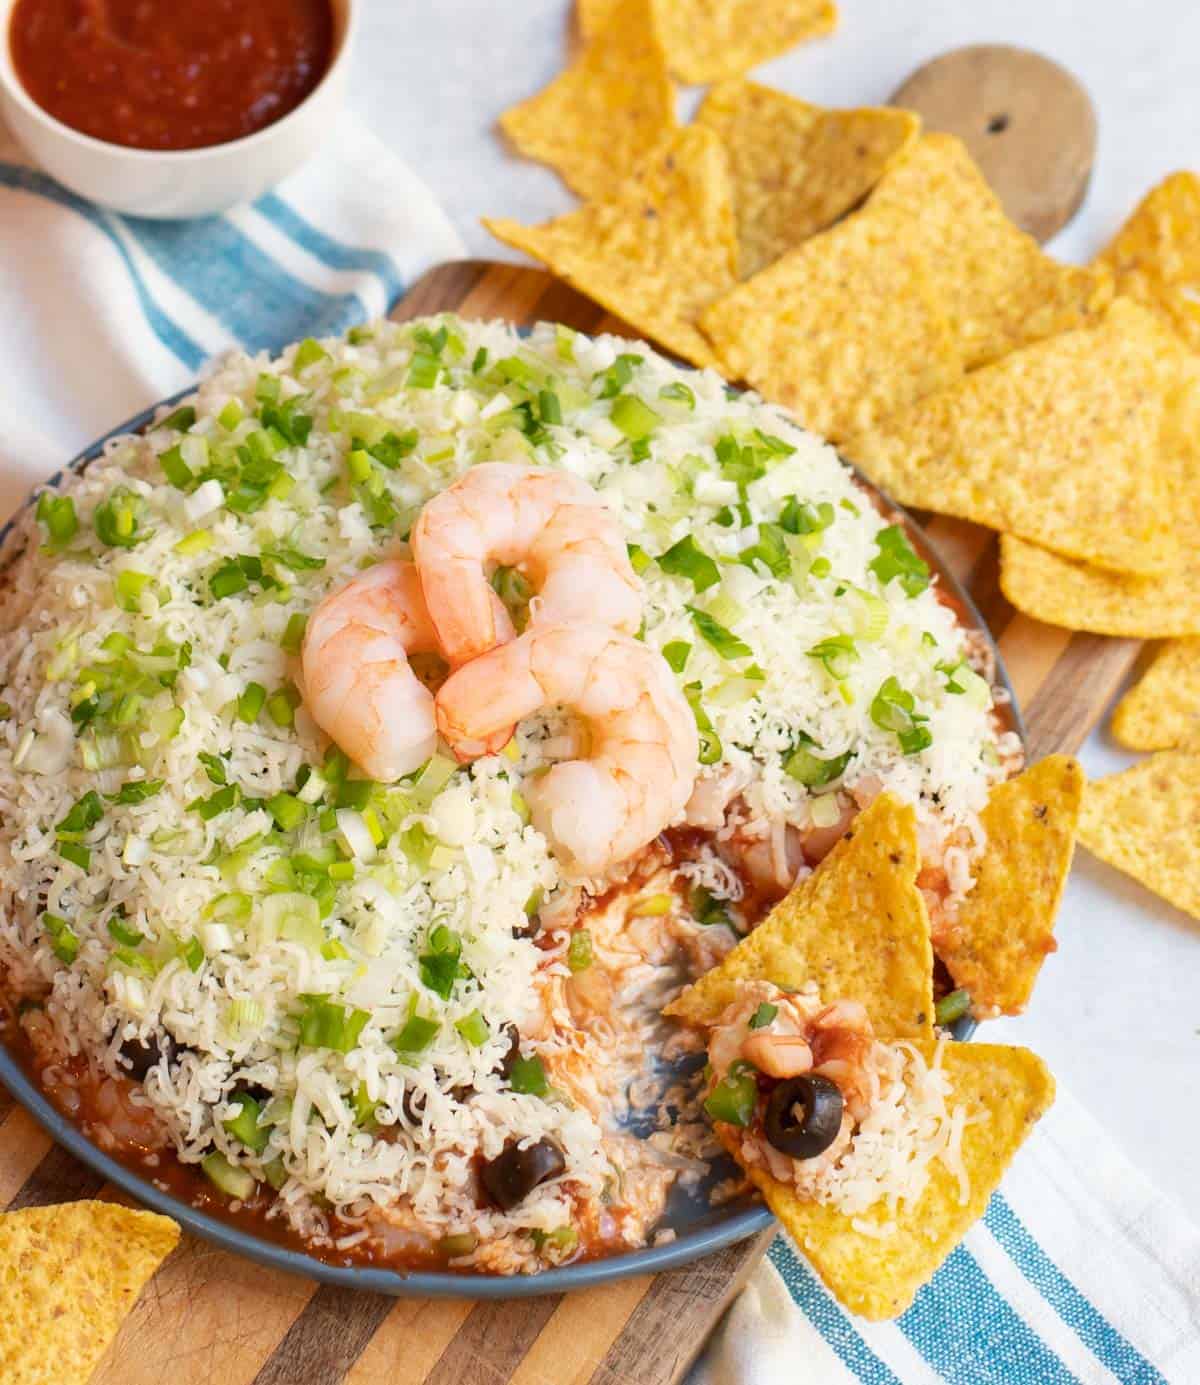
69	1276
655	253
1162	709
844	330
1001	290
1057	443
710	40
796	167
1146	822
597	121
1005	926
1081	597
1155	257
878	1276
857	927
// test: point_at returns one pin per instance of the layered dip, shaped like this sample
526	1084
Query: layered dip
381	973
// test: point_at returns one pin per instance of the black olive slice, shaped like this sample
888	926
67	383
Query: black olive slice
821	1102
515	1172
512	1053
138	1056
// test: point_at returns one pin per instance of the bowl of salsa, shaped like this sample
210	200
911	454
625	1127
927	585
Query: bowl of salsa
166	109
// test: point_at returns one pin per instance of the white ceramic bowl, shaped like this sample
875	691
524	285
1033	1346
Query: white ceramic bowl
174	183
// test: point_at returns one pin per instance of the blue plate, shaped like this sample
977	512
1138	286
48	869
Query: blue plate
699	1229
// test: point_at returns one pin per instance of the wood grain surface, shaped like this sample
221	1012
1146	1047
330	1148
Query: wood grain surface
211	1318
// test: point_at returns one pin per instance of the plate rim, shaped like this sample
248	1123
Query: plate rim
682	1250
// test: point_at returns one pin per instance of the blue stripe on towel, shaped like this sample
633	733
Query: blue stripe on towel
972	1336
249	293
335	253
165	328
829	1320
1094	1330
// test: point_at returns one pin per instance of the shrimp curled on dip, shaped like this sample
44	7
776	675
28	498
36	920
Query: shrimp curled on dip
358	686
550	525
643	761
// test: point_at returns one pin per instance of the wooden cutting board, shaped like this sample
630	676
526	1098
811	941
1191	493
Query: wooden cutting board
211	1318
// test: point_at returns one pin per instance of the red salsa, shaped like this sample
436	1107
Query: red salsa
170	74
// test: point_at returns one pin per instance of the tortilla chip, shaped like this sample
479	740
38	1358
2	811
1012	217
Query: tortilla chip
1058	443
709	40
1080	597
69	1276
597	121
1000	289
843	330
1146	822
1005	926
658	251
1155	257
857	927
798	168
1162	709
878	1276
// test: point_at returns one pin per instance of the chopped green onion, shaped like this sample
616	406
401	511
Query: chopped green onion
837	654
214	767
129	588
724	641
707	910
897	558
63	941
618	375
679	392
175	469
549	407
416	1036
309	352
231	415
734	1098
196	542
423	371
287	810
120	930
228	580
236	1182
639	559
473	1028
813	772
282	704
579	951
83	815
763	1016
216	804
179	421
326	1024
685	559
250	703
893	710
117	521
57	513
952	1007
293	635
800	517
676	654
244	1126
528	1077
771	551
192	954
710	743
135	791
633	417
454	1247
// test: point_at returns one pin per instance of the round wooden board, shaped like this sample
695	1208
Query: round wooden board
1028	123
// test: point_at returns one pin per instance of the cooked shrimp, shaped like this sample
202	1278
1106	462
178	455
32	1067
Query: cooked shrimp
778	1055
644	749
358	686
550	525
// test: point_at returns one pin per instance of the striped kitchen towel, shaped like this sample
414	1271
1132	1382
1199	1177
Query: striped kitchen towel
1080	1271
101	315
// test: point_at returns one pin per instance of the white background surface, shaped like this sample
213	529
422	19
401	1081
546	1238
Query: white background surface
1117	1011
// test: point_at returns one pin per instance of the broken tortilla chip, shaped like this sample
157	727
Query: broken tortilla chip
857	927
797	168
1000	289
1006	1090
1146	822
69	1276
658	251
1058	443
1005	925
1155	257
710	40
1063	592
601	117
844	330
1162	709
